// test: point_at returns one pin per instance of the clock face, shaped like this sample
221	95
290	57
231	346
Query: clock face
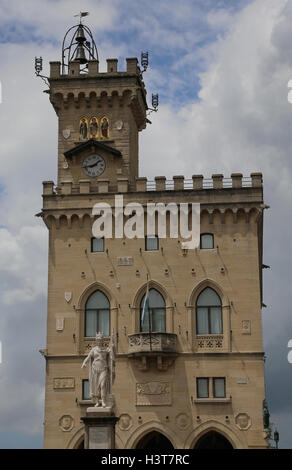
93	165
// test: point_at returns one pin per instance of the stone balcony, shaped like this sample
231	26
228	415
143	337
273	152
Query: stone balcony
146	347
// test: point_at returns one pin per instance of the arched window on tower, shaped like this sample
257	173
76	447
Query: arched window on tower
209	312
155	316
97	314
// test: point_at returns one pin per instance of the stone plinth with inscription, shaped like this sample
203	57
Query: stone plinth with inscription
99	428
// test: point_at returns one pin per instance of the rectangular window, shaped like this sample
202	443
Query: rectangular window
85	390
207	241
151	243
202	387
97	245
219	387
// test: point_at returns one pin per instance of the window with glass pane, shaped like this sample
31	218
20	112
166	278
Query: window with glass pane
207	241
219	387
202	387
155	316
85	390
209	313
151	243
97	314
97	245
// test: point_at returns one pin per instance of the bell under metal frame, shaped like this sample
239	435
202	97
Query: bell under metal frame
69	52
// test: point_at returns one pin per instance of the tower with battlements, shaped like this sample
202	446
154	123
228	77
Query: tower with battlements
191	375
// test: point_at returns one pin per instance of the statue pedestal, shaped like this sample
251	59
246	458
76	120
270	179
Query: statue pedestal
99	428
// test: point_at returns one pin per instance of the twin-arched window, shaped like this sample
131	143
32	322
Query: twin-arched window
155	315
97	314
209	312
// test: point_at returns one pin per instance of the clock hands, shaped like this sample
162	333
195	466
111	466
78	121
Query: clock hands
89	166
93	165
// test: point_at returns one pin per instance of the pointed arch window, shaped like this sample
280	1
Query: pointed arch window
155	316
209	312
97	314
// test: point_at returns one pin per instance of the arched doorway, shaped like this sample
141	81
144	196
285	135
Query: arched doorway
154	440
80	444
213	440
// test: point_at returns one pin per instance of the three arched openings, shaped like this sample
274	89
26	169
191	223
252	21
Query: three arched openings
153	317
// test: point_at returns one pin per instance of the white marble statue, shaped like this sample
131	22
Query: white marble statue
101	370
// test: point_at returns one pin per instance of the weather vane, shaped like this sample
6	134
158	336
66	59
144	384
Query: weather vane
81	15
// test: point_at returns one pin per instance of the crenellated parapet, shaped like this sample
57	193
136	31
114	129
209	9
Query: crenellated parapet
235	199
160	183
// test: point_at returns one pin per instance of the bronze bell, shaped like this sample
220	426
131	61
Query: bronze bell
80	37
80	55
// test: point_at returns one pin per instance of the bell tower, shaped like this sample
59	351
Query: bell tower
100	114
191	375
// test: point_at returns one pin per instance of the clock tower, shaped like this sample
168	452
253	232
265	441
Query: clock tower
100	115
192	375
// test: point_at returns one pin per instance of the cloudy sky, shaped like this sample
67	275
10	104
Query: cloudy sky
221	68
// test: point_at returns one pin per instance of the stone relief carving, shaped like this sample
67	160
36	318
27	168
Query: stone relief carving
125	261
66	423
125	422
182	421
243	421
68	296
119	125
64	382
66	133
158	341
60	323
153	393
245	327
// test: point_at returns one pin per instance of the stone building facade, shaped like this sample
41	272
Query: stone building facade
197	379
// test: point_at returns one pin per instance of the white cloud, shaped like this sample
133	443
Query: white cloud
49	19
16	254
